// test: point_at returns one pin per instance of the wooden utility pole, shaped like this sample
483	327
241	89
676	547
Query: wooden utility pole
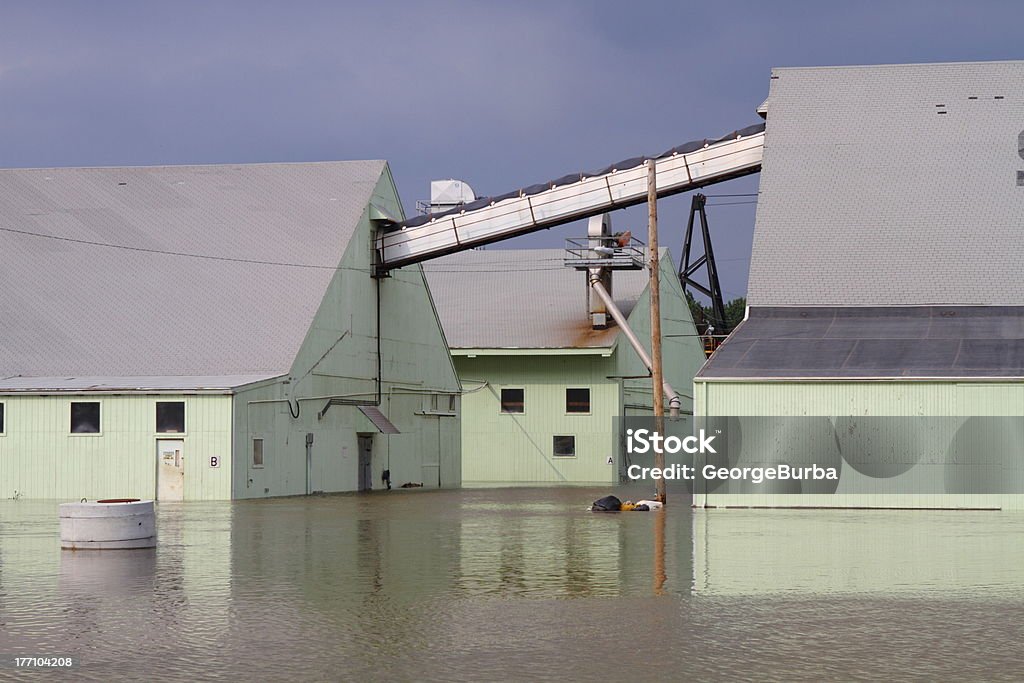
657	375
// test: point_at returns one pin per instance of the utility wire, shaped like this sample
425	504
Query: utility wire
163	252
484	268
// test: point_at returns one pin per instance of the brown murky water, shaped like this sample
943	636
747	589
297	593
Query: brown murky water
519	585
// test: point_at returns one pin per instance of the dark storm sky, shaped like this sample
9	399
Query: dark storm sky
499	94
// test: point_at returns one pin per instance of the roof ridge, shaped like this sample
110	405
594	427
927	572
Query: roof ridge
894	65
224	164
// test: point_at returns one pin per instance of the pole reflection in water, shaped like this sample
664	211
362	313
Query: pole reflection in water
659	551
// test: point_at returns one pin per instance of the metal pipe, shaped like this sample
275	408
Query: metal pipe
674	401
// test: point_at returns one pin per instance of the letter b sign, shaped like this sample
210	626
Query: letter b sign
214	461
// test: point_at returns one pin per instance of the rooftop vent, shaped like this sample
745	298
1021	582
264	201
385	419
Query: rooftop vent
446	195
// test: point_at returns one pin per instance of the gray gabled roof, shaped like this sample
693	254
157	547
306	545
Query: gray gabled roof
75	309
521	298
892	185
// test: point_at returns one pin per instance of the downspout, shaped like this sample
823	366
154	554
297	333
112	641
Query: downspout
380	364
674	401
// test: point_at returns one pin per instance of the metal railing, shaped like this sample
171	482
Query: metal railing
711	342
620	252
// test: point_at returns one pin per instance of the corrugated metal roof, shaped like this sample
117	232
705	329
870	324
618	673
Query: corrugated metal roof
139	383
870	343
72	309
521	298
891	185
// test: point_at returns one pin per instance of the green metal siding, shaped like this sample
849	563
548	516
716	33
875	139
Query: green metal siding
339	358
39	458
884	398
504	448
507	449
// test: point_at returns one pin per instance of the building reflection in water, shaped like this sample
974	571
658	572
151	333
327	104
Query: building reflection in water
814	552
407	584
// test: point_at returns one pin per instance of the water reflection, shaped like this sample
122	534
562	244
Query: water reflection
818	552
125	572
495	584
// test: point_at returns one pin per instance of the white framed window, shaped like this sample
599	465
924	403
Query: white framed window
563	446
257	453
513	400
3	426
85	417
439	404
577	401
170	417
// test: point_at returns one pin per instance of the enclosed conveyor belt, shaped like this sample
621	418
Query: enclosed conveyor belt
570	198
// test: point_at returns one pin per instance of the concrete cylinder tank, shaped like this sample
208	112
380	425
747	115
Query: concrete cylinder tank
108	524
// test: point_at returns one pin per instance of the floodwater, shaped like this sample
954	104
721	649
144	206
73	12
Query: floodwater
520	584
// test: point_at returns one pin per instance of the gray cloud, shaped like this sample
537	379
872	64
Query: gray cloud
500	94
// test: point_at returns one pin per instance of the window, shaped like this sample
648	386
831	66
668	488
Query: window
564	447
257	452
577	400
170	417
441	404
1	418
513	400
85	417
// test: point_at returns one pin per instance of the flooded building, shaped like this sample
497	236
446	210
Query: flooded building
542	385
214	332
885	282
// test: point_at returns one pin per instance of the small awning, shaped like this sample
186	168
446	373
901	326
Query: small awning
378	213
379	420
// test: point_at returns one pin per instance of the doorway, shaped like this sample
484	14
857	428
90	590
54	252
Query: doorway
170	469
365	462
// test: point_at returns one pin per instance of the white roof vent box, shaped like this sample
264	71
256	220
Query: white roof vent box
451	191
445	195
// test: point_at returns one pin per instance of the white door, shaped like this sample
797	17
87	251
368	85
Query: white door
170	469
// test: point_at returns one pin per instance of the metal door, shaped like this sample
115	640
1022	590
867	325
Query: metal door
365	462
170	469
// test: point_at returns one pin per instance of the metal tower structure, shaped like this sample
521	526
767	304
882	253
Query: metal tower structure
687	268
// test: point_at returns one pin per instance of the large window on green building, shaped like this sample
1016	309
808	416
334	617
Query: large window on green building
577	400
170	417
513	400
85	417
